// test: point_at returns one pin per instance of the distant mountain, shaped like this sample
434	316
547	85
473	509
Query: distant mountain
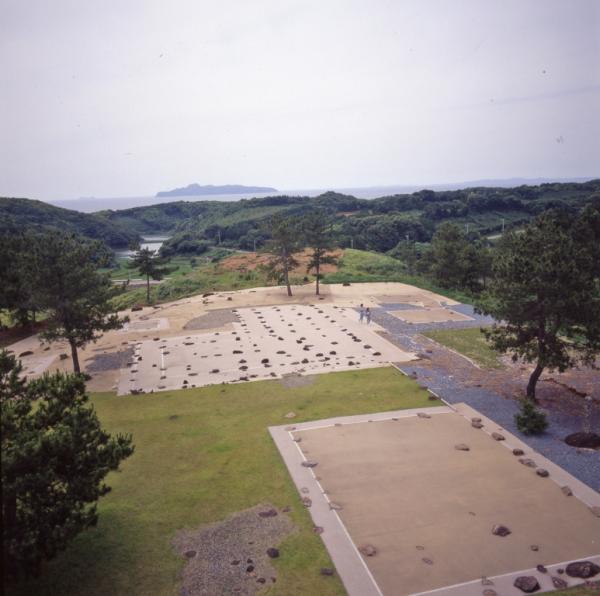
20	215
195	190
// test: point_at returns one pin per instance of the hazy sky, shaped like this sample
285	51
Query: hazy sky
116	98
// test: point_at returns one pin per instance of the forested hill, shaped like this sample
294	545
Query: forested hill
20	215
371	224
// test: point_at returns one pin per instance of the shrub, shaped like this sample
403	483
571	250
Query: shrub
530	420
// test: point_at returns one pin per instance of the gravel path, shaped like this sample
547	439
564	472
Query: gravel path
492	392
230	557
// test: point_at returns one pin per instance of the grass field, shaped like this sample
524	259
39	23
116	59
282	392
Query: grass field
590	590
200	455
469	342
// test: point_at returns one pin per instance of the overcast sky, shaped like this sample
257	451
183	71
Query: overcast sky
118	98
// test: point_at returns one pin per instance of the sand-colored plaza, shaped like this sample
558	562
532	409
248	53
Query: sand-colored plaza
397	483
260	343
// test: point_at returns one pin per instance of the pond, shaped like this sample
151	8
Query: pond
151	242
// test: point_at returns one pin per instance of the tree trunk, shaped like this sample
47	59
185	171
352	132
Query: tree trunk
9	523
75	356
533	379
318	269
287	281
147	289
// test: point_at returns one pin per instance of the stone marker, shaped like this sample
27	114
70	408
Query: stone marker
273	553
486	582
476	424
368	550
527	584
542	472
498	437
462	447
534	547
327	570
309	463
500	530
541	569
518	452
423	415
559	583
566	490
335	506
583	569
528	462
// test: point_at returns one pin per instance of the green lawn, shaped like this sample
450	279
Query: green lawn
202	454
578	591
470	342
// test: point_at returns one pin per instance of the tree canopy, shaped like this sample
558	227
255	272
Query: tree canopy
455	261
55	456
150	264
317	232
285	240
62	271
545	291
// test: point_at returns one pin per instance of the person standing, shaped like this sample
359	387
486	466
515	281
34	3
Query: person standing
361	314
368	315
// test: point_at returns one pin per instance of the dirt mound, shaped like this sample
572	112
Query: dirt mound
251	260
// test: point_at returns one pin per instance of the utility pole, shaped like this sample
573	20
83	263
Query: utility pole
219	234
467	229
351	241
503	225
254	240
407	237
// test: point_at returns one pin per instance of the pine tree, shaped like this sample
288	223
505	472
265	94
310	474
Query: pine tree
66	284
285	233
317	230
149	263
545	293
55	456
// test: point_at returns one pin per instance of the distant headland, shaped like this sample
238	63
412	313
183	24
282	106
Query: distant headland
194	190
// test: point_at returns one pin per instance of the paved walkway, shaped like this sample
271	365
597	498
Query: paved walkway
457	380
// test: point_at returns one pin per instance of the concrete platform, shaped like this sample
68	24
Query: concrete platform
399	484
263	343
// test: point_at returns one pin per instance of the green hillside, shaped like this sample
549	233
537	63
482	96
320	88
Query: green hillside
18	215
375	224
